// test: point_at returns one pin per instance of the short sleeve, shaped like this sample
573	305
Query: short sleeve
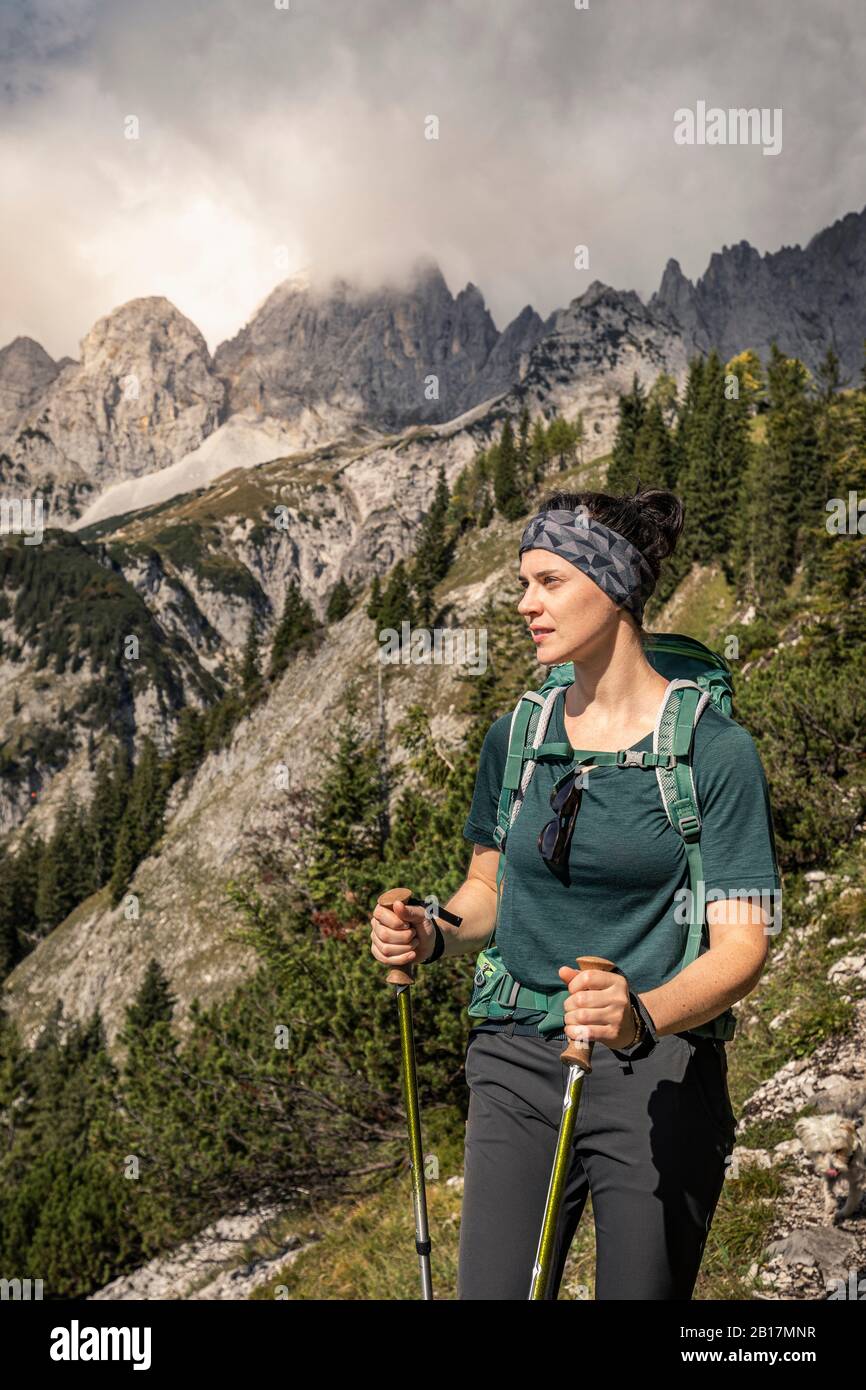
481	821
738	845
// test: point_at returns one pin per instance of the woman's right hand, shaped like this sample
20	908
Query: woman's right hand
401	935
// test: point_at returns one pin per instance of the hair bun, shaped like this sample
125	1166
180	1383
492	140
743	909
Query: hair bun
663	516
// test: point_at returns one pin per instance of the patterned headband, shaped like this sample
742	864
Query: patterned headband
616	566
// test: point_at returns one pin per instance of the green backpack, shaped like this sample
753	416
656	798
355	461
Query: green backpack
697	676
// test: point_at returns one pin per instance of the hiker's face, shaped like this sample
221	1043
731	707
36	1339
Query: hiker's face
560	598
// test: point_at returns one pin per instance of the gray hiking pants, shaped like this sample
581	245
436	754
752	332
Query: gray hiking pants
652	1134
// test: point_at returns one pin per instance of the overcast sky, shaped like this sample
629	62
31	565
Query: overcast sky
274	138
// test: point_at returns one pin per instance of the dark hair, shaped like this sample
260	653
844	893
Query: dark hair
651	518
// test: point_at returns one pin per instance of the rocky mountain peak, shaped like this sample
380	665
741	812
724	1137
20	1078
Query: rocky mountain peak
26	369
143	395
365	353
597	301
597	293
141	330
801	298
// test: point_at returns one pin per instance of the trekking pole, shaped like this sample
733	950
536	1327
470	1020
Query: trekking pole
401	976
577	1057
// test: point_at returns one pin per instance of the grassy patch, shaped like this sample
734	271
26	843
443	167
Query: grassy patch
479	553
366	1249
738	1236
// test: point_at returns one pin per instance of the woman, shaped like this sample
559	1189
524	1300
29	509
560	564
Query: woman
654	1127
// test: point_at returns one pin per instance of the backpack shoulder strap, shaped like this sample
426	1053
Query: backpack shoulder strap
529	724
674	734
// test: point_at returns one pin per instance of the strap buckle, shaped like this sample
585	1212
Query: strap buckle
689	826
630	757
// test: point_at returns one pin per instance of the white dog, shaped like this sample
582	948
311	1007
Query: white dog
833	1145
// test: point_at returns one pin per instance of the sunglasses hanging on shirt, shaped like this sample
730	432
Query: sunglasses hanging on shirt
555	838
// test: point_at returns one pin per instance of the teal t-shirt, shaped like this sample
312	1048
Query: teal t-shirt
621	894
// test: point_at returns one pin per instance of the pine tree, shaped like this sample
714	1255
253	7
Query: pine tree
562	441
189	743
125	860
78	851
664	390
340	601
829	376
471	495
792	444
622	474
699	476
24	870
749	371
539	452
860	402
222	718
107	804
836	564
251	672
653	449
398	605
507	492
579	431
345	849
11	947
49	895
686	417
835	431
758	551
734	449
433	552
66	867
142	819
524	464
374	605
778	493
154	1002
296	631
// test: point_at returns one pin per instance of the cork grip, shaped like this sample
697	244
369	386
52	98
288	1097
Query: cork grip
398	974
581	1052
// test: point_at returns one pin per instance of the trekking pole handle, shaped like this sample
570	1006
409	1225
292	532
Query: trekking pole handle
581	1052
398	974
404	974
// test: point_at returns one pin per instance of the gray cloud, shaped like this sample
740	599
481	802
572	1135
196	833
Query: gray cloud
271	138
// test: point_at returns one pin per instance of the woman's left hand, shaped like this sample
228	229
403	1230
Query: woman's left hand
598	1008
